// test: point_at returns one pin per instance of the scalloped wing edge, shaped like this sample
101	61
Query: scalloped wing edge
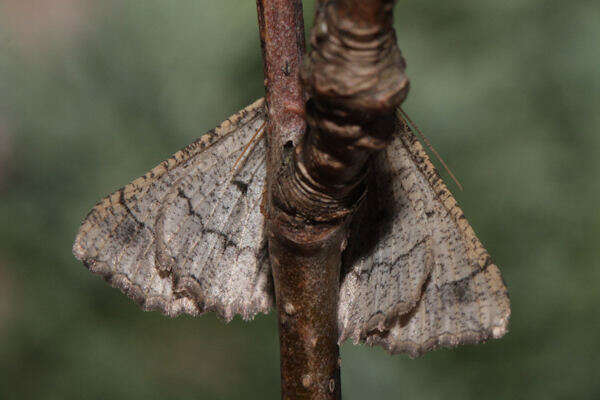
180	303
445	339
484	260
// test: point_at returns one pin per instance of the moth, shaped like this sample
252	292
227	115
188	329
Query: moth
188	237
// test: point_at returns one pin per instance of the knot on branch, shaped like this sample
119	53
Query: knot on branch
307	201
355	66
355	80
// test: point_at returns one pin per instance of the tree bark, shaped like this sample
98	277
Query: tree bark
281	28
355	79
307	329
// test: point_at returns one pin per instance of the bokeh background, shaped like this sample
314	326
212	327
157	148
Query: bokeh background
93	94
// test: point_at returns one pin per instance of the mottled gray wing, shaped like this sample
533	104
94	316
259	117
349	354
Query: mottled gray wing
187	237
416	276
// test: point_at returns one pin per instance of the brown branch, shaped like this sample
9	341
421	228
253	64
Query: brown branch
306	293
281	28
356	80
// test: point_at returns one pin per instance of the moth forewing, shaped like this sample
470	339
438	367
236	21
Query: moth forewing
427	256
183	238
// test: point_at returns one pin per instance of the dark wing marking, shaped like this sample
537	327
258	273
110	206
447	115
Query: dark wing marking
188	237
424	280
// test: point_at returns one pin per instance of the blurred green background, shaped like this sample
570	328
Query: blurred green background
93	94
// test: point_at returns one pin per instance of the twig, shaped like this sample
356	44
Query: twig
356	80
306	292
281	27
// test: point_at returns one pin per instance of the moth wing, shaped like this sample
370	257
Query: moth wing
188	236
417	277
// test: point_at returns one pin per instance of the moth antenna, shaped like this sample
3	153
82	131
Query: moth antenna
257	135
430	146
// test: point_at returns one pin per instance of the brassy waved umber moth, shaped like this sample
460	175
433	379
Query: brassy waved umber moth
189	237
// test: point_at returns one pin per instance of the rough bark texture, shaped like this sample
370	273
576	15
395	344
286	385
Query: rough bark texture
307	327
355	79
281	28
